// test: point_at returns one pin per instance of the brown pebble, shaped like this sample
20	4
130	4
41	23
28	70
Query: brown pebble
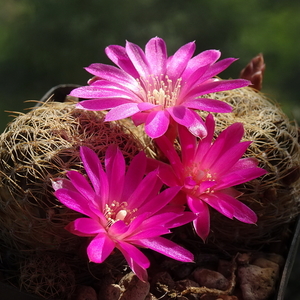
133	288
210	279
256	283
265	263
111	292
276	258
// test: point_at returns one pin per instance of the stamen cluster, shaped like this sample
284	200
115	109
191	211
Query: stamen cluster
161	91
118	211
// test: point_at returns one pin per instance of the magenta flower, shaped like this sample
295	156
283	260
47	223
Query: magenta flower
156	89
124	209
207	172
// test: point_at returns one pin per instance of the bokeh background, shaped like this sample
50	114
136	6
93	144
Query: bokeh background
44	43
47	42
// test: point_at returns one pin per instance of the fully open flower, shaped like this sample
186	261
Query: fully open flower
156	89
207	172
123	209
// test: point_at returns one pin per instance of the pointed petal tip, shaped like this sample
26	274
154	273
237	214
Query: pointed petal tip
243	82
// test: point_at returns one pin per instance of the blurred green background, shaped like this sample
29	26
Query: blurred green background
44	43
47	42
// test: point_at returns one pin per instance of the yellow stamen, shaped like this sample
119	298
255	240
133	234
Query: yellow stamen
118	211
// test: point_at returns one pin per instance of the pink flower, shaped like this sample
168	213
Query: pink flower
124	209
207	172
156	89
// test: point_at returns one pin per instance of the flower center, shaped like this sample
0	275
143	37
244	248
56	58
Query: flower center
118	211
202	181
160	90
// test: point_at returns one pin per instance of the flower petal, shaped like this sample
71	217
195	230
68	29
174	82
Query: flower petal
202	222
240	176
82	185
205	144
118	229
182	115
100	104
192	80
184	218
213	70
118	55
71	228
241	211
134	174
157	123
204	58
87	226
245	163
206	104
227	139
74	200
217	86
218	67
168	248
188	118
168	176
95	171
136	260
225	161
167	148
138	58
139	118
115	170
188	145
165	216
144	189
205	186
218	201
156	54
161	200
102	89
198	128
150	232
178	62
113	74
135	226
100	248
122	111
62	183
